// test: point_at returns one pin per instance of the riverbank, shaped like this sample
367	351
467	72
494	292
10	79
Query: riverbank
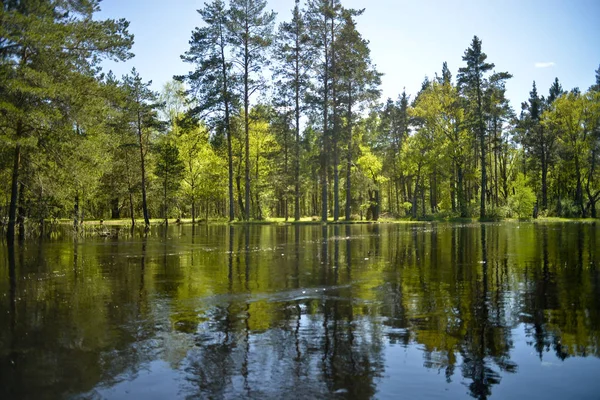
311	221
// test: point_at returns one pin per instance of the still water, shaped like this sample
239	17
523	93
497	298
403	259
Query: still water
436	311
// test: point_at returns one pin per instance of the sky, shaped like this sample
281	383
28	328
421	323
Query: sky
531	39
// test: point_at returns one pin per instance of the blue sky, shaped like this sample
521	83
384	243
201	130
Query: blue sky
532	39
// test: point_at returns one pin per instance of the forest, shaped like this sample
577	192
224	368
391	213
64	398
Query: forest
274	121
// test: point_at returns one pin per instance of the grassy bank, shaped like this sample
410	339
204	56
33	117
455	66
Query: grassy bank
312	221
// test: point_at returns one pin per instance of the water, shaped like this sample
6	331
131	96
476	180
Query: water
436	311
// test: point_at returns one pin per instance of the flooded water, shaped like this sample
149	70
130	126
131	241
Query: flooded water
435	311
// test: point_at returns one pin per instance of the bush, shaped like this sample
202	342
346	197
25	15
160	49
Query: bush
522	199
499	213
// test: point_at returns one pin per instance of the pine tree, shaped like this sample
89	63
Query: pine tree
322	17
537	140
251	31
472	82
358	84
555	92
292	70
142	109
213	85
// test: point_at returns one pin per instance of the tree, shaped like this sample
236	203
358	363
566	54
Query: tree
567	116
596	87
358	84
173	104
169	168
472	83
292	71
141	107
252	33
499	112
522	199
537	141
213	85
439	110
321	19
44	46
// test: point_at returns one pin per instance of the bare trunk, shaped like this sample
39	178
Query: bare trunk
142	161
12	209
336	177
76	213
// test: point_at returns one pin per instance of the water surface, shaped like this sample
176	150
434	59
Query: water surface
436	311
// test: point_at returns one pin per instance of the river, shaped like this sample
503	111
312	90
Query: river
388	311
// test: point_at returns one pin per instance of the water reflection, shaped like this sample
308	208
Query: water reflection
304	311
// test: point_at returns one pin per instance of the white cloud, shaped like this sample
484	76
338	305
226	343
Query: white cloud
544	64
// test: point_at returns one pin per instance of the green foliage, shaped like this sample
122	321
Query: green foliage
522	200
219	139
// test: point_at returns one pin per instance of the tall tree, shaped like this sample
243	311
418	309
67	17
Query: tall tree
142	108
358	83
252	33
538	141
472	83
213	84
499	112
292	71
322	17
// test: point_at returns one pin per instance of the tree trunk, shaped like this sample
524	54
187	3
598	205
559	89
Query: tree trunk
496	149
12	209
247	122
142	161
193	208
579	189
239	190
21	211
76	213
462	204
415	194
453	187
335	132
166	207
115	211
223	61
325	144
349	158
297	146
258	209
482	213
131	208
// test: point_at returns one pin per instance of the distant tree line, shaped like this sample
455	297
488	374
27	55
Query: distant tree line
270	122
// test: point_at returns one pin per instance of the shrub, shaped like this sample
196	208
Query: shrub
522	199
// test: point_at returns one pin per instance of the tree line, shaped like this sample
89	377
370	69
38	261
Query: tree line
273	121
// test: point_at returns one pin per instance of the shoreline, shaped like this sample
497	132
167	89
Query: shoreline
305	221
